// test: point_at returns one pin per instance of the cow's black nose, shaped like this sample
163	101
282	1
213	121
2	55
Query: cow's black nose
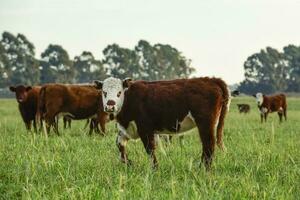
111	103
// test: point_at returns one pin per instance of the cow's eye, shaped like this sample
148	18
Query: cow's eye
105	94
119	93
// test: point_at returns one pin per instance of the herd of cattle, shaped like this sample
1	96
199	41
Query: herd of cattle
142	109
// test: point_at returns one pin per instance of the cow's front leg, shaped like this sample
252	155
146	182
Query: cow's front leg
150	144
261	117
121	142
265	116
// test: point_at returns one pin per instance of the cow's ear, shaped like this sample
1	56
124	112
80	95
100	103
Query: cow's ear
127	82
98	84
254	95
28	88
12	88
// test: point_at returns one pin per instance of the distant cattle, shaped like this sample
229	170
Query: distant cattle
73	101
243	108
27	98
267	104
143	109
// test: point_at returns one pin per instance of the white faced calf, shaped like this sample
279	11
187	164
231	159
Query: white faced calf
268	104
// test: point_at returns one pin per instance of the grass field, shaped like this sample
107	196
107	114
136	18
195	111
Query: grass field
262	162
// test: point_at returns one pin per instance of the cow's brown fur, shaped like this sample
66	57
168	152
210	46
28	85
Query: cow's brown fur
244	108
80	101
28	105
275	103
159	105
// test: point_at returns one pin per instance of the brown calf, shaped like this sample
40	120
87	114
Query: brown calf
144	109
269	104
74	101
243	108
27	98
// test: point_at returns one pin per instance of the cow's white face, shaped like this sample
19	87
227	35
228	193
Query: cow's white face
113	94
259	98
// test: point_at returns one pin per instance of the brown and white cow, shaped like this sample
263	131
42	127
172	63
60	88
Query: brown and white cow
268	104
74	101
27	98
243	108
143	109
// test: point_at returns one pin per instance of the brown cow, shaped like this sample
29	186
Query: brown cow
244	108
144	109
268	104
27	98
74	101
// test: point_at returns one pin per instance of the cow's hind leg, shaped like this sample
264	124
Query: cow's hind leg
206	132
69	123
34	125
65	122
91	127
28	125
121	143
149	144
280	116
50	121
284	113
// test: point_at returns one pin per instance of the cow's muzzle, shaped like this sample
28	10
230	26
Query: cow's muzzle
110	106
109	109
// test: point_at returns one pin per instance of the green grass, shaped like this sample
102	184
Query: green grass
262	162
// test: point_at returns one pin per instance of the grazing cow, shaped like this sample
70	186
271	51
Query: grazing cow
244	108
267	104
74	101
27	98
143	109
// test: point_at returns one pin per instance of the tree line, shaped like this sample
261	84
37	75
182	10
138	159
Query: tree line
271	71
19	64
267	71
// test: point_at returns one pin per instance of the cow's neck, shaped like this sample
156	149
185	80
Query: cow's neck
126	114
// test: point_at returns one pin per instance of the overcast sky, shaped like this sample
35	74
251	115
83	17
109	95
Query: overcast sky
218	35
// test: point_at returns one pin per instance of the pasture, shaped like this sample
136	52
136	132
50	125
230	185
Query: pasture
262	161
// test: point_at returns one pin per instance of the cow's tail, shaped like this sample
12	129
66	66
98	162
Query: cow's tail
42	106
226	94
42	101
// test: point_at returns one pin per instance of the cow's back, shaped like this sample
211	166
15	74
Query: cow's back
276	102
81	101
163	103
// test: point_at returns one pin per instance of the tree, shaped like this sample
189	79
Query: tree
23	67
266	72
170	63
4	68
121	62
162	62
292	54
56	66
87	68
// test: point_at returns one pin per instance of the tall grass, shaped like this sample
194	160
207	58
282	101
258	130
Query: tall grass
262	162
